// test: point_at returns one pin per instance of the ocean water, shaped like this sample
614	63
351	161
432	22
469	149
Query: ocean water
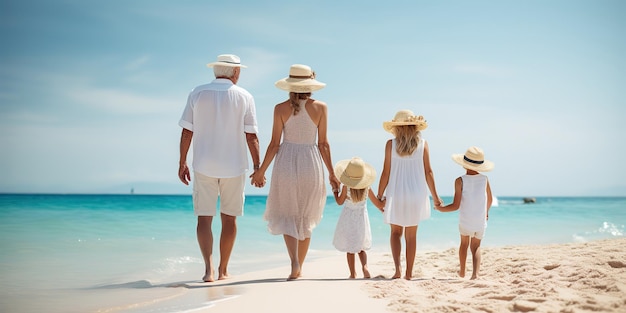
66	253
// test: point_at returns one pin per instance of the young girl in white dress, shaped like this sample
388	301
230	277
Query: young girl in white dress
353	234
406	181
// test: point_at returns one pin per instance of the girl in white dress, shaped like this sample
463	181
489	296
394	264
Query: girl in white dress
353	234
405	181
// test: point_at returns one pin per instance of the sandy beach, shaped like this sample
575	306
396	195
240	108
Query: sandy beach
576	277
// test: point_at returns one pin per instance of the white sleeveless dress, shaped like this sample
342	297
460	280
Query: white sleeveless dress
353	233
297	194
473	208
407	193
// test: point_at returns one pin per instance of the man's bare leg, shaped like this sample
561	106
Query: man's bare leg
227	242
205	241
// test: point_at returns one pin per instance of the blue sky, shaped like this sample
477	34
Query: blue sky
91	91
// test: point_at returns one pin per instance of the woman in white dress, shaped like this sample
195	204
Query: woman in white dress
405	182
353	234
297	192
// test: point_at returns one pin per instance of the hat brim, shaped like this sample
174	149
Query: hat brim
389	125
213	64
299	85
369	176
486	166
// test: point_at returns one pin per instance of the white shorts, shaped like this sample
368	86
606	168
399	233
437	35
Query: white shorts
476	234
207	190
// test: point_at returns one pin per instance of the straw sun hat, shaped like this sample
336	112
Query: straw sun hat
405	117
227	60
473	159
301	80
355	173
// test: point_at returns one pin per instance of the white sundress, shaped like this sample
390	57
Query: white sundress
353	233
407	192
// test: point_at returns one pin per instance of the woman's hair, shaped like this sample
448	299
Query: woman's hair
223	71
407	139
295	98
357	194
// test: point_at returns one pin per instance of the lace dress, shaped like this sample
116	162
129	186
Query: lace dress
297	195
353	233
407	192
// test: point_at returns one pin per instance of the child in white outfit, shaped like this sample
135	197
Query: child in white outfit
353	234
472	197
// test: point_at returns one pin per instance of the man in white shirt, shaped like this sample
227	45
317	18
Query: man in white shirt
221	119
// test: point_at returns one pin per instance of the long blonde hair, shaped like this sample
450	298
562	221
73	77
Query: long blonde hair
295	98
407	139
357	195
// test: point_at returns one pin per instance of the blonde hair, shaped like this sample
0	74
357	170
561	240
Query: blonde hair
357	195
407	139
295	97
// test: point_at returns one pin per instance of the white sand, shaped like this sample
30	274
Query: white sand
580	277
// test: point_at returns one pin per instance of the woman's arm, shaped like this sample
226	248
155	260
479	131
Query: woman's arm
380	205
384	176
430	177
324	146
258	177
456	202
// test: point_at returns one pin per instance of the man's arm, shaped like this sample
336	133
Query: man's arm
183	169
253	146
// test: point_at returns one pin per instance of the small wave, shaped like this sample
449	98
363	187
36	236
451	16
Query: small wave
611	229
605	231
139	284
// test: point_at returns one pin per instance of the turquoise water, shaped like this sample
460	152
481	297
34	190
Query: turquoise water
68	243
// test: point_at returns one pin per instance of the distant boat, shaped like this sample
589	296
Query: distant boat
132	191
529	200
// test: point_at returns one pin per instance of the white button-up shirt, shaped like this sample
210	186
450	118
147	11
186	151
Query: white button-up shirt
219	114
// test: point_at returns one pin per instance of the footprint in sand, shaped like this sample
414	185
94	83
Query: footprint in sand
551	267
616	264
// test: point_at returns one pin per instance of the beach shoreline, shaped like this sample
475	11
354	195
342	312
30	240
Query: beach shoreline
571	277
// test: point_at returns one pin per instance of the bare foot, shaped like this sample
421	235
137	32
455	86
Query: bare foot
462	273
352	276
295	272
208	278
474	277
396	275
366	272
223	273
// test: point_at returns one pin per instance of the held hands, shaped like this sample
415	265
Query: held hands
438	204
381	206
334	182
258	179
